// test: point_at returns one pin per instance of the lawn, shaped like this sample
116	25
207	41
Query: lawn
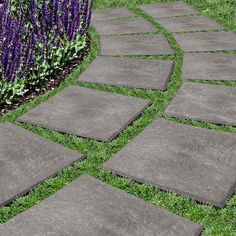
215	221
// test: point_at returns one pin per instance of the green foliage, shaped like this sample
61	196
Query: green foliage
9	91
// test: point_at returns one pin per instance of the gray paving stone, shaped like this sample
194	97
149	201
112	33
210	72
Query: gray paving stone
134	45
27	159
89	207
202	102
110	14
129	72
189	23
209	66
86	112
124	26
191	161
168	9
206	41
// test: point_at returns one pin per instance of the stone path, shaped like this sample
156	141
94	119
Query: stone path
168	10
134	45
90	207
189	23
124	26
206	41
110	14
86	112
194	162
27	159
205	102
209	66
147	74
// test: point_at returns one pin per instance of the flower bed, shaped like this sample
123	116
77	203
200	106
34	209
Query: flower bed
37	38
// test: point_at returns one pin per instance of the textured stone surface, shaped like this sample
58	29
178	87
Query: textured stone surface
168	9
202	102
27	159
124	26
135	45
89	207
86	112
110	14
209	66
189	23
195	162
129	72
206	41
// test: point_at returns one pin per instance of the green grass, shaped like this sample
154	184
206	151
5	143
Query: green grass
215	221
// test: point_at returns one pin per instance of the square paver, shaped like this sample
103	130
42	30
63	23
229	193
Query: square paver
124	26
86	112
147	74
206	41
110	14
139	44
194	162
205	102
209	66
90	207
27	159
168	9
189	23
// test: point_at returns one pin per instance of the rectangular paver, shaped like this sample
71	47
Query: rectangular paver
124	26
27	159
148	74
194	162
86	112
134	45
168	9
209	66
89	207
205	102
206	41
110	14
189	23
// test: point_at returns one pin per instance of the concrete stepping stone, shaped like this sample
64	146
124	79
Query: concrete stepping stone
86	112
112	211
205	102
195	162
206	41
168	9
189	23
147	74
110	14
27	159
209	66
124	26
139	44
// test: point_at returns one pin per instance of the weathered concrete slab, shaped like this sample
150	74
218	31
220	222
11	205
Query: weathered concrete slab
110	14
124	26
90	207
205	102
148	74
209	66
86	112
134	45
189	23
195	162
206	41
27	159
168	9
